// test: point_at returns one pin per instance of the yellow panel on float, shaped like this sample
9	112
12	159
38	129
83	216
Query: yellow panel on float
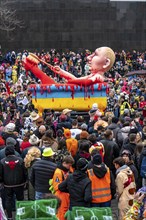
78	104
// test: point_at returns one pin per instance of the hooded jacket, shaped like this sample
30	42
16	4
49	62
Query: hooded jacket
126	187
79	187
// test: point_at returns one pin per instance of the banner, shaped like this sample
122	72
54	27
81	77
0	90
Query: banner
38	210
81	213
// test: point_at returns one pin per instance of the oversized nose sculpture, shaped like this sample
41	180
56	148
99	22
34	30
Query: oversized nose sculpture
89	58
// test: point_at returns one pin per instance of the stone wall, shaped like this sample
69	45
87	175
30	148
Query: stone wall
75	24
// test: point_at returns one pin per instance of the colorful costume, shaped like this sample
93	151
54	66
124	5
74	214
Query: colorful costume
58	177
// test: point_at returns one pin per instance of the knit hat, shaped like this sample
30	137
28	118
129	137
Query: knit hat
2	142
9	150
10	127
34	140
97	159
84	135
67	133
10	141
82	164
25	144
84	126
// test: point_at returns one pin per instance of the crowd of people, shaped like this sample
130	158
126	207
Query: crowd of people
84	163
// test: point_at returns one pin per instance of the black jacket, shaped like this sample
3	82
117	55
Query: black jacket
111	152
79	187
38	134
130	146
117	134
42	171
64	124
134	170
12	171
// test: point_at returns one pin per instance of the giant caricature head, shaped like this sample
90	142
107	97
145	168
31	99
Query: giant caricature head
101	60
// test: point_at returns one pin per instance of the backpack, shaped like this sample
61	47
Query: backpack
143	167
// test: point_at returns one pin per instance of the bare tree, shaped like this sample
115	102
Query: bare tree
8	19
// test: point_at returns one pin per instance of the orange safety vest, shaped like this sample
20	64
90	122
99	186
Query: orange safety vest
101	191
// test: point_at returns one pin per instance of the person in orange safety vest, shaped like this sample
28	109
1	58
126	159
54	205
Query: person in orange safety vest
61	174
103	185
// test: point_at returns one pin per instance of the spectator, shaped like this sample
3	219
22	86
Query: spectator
101	182
111	150
75	130
42	171
13	176
131	145
126	155
71	143
40	131
118	138
31	157
125	186
60	174
78	185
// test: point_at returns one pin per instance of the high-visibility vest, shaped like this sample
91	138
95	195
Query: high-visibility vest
101	191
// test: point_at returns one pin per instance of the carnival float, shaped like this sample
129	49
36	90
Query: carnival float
76	93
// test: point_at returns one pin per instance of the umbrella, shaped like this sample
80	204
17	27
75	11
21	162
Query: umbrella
136	72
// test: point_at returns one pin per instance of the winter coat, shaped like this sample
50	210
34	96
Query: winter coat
111	152
42	171
125	131
79	187
65	124
13	172
126	187
130	146
117	134
31	191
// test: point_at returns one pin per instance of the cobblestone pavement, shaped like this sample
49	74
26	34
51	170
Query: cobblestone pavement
114	206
